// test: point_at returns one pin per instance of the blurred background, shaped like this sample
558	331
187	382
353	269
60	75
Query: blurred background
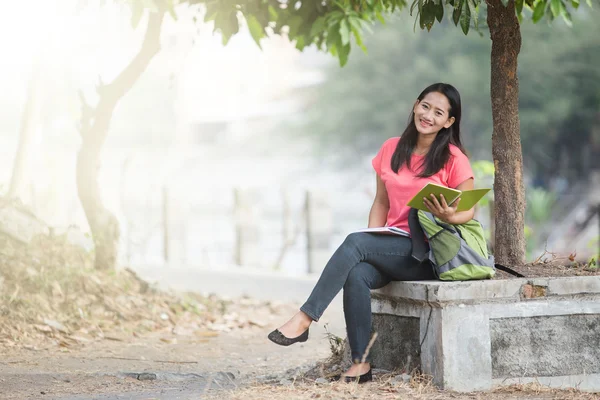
223	157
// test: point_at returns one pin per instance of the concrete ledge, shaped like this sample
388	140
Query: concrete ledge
480	334
490	290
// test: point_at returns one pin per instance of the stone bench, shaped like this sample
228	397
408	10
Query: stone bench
481	334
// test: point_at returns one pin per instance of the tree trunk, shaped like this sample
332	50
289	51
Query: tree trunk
506	141
94	128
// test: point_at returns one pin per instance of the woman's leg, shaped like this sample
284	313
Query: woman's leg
357	306
385	252
377	271
357	312
390	254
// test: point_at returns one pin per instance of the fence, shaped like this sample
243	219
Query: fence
276	228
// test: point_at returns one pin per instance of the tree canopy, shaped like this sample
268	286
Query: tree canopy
333	25
369	100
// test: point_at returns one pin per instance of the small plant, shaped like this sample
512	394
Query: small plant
594	261
336	343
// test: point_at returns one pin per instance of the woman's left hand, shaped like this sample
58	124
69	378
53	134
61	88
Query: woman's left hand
441	209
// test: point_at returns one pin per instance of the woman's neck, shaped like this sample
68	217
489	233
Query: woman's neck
423	145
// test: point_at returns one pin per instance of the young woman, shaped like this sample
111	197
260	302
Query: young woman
429	150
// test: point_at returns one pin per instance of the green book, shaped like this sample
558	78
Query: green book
468	198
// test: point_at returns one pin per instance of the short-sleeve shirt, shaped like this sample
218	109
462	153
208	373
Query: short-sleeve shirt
402	186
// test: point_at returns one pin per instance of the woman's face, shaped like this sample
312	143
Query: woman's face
432	114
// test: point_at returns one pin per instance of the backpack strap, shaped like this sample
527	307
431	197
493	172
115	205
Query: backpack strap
419	247
509	270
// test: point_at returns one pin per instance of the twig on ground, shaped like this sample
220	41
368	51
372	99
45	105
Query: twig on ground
138	359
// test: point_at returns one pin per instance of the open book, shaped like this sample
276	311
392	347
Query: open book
468	198
386	230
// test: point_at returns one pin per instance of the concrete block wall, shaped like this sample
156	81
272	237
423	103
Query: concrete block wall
477	335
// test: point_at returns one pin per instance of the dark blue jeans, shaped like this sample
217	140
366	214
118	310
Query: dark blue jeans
363	262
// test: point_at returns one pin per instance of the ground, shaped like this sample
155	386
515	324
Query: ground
239	363
185	364
69	331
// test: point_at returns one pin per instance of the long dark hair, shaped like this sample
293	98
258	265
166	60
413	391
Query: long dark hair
439	152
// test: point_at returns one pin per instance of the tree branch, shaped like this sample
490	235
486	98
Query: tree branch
150	47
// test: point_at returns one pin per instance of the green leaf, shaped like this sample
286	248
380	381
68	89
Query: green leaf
136	13
519	6
171	9
474	14
380	17
345	31
212	10
355	22
359	24
575	4
273	13
439	11
300	43
589	3
256	29
465	19
413	5
333	36
333	50
566	15
456	14
343	53
317	27
427	17
294	25
538	11
555	7
228	25
358	39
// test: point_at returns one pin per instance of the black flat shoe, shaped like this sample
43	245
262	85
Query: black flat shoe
278	338
366	377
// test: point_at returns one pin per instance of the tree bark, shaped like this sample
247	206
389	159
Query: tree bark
506	140
94	127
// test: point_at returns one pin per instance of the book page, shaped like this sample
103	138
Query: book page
386	230
469	198
431	188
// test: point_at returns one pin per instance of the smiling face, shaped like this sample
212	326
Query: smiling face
432	114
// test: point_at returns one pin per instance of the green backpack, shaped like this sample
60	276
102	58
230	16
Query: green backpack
457	252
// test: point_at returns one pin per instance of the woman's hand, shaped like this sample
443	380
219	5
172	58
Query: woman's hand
441	209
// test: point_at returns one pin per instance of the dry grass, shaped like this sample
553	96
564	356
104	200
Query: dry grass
390	387
51	295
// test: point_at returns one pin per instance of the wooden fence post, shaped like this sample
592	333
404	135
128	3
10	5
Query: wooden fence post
174	217
247	232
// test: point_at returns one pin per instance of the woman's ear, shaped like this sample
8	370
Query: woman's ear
449	123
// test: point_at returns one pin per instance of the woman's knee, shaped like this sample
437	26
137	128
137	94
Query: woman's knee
354	240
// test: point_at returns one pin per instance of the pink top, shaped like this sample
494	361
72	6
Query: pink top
402	187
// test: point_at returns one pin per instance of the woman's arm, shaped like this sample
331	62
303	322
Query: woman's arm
380	207
448	213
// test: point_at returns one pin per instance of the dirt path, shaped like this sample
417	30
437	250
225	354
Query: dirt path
160	365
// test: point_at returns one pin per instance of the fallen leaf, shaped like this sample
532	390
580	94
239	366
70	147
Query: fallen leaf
207	333
56	325
43	328
260	324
